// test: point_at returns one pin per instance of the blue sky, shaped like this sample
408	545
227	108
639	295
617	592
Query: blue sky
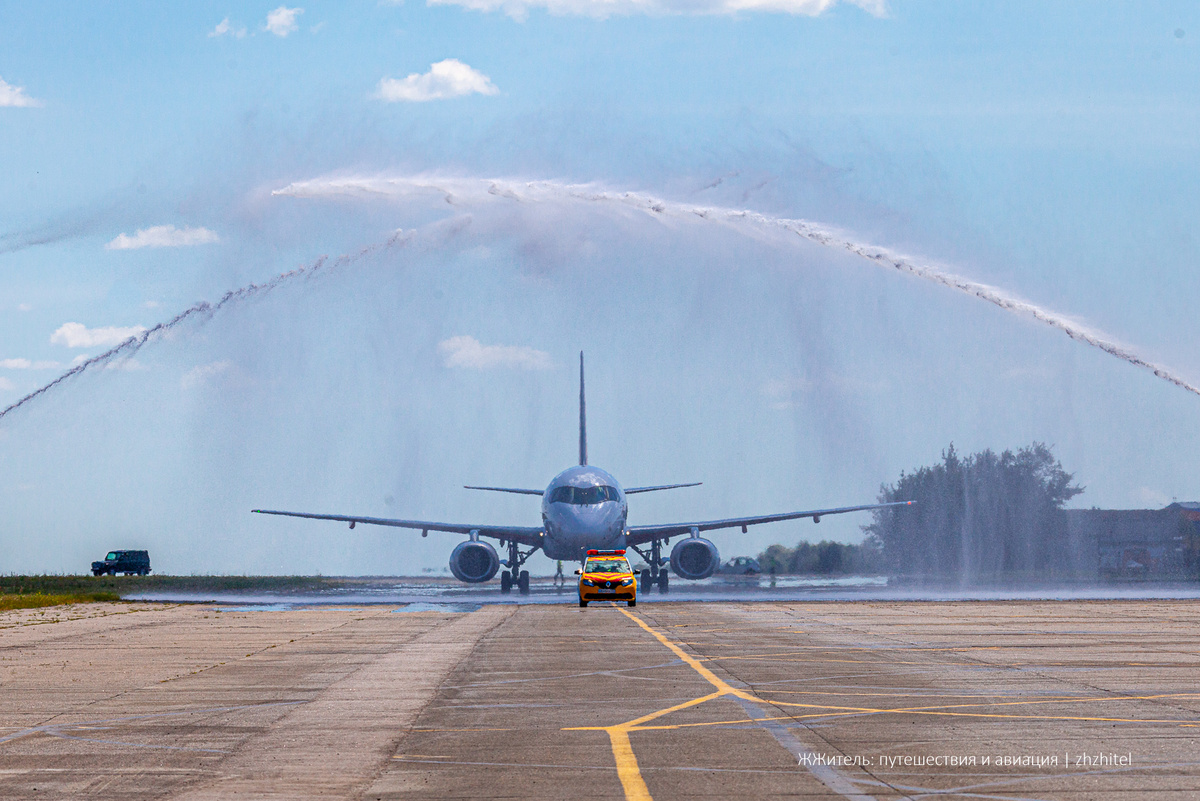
1048	150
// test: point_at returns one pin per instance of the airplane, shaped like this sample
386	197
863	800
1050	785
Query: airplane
584	508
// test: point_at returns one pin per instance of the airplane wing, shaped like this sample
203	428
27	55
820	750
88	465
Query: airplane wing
526	535
639	535
507	489
635	490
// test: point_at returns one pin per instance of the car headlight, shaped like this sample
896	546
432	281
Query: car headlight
588	583
627	582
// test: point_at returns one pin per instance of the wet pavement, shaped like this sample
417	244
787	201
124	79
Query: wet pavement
459	699
717	588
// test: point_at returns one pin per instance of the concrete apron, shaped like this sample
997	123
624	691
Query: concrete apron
340	741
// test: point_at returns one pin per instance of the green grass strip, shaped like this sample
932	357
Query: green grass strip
40	599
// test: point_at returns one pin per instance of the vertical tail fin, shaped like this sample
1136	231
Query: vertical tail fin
582	416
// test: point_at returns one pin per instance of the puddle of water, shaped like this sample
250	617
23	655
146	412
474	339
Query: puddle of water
424	607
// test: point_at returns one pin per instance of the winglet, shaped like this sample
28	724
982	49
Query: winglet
582	416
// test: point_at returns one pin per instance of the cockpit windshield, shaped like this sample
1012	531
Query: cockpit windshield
584	496
606	566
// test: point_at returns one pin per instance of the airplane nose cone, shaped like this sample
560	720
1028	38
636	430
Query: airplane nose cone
598	526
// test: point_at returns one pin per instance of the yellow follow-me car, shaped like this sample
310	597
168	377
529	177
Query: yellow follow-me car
606	576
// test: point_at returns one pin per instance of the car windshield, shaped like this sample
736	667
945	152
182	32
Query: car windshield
584	496
607	566
112	556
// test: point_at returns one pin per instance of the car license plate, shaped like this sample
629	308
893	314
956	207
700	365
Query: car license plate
609	590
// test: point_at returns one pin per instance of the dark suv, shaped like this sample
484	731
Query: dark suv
127	562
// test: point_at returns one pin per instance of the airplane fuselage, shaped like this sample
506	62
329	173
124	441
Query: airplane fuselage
584	507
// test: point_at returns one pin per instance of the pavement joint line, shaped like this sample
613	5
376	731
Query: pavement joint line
62	736
425	760
921	793
900	694
1032	777
50	727
615	672
944	709
1110	698
459	730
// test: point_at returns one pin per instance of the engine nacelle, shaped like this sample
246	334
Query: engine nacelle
474	562
695	558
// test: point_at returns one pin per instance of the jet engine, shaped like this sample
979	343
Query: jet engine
474	562
694	558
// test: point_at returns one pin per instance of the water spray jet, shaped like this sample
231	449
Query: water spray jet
462	191
204	310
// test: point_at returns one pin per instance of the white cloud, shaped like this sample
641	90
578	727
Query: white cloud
465	351
24	307
449	78
15	96
204	373
226	28
519	9
77	335
26	364
282	21
163	236
6	385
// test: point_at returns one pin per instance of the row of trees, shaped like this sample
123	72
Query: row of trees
824	558
981	519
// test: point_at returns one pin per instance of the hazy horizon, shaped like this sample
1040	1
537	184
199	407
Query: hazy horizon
159	157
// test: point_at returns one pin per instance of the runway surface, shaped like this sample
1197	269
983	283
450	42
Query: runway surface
986	699
544	590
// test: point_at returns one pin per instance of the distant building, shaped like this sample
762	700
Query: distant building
1189	531
1133	544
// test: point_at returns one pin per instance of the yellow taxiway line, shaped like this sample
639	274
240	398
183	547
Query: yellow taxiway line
630	774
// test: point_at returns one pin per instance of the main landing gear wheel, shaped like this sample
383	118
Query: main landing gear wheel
664	583
644	580
506	582
523	582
